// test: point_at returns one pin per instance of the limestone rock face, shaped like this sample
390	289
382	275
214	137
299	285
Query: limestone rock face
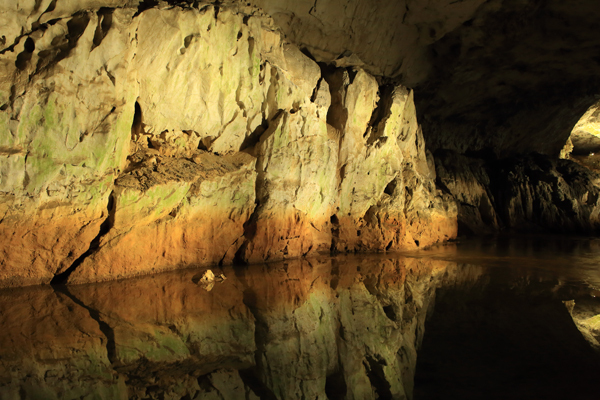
67	106
468	181
532	193
136	140
585	135
388	38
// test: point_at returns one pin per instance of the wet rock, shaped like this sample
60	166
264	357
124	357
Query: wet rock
584	137
586	314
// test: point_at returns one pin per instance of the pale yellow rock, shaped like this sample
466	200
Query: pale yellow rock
65	134
109	112
296	188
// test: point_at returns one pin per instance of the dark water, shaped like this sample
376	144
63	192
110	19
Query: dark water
510	335
497	318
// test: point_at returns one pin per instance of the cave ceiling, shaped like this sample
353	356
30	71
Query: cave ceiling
501	76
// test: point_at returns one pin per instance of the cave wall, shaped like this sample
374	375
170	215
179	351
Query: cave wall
139	136
139	139
531	193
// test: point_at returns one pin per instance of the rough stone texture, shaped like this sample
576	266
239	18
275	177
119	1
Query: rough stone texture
143	139
343	327
507	76
468	181
389	39
586	314
173	213
533	193
584	138
96	93
65	122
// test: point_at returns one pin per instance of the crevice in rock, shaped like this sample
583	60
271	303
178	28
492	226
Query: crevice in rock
145	5
335	385
217	9
390	313
335	233
76	26
252	139
313	96
105	328
137	126
308	54
352	72
391	187
380	114
34	27
104	25
337	79
202	145
250	379
376	376
62	278
24	57
51	7
249	234
97	128
313	8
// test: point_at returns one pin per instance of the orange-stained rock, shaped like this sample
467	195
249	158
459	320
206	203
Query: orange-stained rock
36	247
140	141
173	215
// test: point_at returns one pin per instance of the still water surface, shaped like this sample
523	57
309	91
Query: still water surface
491	318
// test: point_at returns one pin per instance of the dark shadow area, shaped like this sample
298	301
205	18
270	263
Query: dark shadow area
504	341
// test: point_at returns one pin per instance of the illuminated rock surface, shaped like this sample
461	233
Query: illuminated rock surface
139	140
143	136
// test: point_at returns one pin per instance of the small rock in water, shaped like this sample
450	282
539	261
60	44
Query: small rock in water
208	278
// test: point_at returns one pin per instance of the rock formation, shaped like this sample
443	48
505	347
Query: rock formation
143	139
528	194
141	136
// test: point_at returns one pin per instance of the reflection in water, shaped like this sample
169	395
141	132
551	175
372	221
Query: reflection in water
330	328
510	334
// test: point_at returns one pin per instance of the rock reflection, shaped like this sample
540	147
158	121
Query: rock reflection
334	328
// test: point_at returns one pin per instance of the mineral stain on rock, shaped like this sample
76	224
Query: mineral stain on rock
190	147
